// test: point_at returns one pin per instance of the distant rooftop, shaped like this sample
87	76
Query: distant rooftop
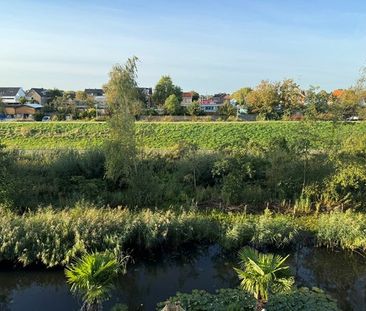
9	91
40	91
94	92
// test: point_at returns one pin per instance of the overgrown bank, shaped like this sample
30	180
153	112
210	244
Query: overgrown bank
53	238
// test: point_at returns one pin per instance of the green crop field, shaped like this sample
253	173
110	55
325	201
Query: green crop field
164	135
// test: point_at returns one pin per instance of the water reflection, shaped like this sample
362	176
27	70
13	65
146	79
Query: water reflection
343	275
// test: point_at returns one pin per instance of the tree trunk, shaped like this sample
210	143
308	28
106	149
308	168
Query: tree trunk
94	306
261	304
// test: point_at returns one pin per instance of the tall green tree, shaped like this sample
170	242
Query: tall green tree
122	97
348	102
241	95
194	109
5	181
263	275
264	99
316	101
163	89
195	96
92	277
291	97
227	110
172	105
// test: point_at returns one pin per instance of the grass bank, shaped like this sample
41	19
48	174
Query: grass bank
164	135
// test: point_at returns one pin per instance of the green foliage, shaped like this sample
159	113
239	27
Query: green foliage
163	89
264	99
276	230
164	135
122	95
194	109
227	110
5	180
53	238
222	300
241	95
263	274
345	230
172	105
303	299
92	276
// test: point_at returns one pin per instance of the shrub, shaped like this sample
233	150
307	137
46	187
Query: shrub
346	230
278	231
303	299
200	300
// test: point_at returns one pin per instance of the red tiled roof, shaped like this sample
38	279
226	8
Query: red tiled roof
338	93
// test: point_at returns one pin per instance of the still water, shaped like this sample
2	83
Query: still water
342	275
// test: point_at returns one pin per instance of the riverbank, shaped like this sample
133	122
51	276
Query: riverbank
52	238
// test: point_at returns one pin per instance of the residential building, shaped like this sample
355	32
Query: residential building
186	99
98	96
11	95
211	104
220	98
208	105
38	95
94	92
20	111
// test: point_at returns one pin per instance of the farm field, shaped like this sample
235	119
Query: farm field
164	135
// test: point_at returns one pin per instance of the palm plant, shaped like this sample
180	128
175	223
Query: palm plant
263	274
92	277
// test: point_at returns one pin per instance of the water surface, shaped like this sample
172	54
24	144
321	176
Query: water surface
342	275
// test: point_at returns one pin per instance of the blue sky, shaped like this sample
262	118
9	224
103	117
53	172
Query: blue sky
210	46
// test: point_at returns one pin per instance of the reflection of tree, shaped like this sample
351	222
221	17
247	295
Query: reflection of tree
162	276
13	280
5	300
338	273
223	265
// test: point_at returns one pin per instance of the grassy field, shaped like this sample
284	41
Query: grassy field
159	135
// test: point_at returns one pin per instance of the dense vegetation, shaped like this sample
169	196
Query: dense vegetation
53	238
287	175
206	135
236	300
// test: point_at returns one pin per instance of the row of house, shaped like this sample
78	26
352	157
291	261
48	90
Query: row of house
21	104
208	104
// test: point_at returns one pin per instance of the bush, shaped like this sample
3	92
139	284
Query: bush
278	231
345	230
222	300
303	299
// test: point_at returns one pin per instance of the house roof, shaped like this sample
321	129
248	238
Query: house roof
35	106
94	92
187	94
9	91
338	93
39	91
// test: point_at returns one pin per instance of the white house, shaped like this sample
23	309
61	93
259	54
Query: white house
11	95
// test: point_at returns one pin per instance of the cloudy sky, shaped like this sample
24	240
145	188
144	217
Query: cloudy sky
207	45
